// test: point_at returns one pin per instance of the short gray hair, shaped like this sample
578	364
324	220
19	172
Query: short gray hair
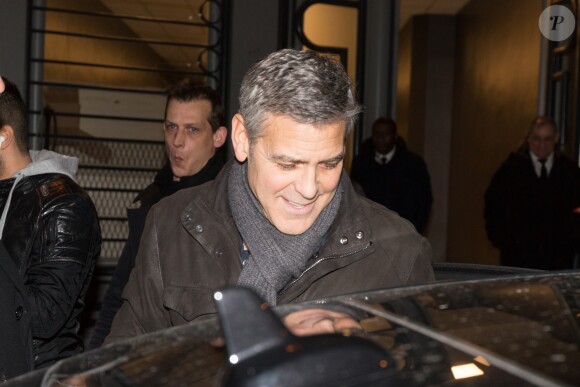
303	85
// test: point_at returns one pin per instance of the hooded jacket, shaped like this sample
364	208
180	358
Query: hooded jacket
191	248
49	227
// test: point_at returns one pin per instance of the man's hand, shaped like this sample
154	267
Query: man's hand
2	86
318	321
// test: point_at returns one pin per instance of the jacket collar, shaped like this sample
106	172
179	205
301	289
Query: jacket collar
350	230
208	219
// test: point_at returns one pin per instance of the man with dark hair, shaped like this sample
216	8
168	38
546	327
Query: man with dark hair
393	176
50	230
282	219
531	202
194	133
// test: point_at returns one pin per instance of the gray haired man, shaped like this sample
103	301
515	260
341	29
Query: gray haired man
282	219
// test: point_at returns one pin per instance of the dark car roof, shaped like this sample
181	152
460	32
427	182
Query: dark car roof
513	330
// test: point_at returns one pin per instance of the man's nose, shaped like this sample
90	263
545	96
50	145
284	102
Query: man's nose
178	137
307	184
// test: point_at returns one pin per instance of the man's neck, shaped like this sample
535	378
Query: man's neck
13	162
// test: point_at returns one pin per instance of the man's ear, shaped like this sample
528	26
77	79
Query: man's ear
7	133
240	139
220	136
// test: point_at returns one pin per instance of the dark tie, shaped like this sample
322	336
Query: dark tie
543	170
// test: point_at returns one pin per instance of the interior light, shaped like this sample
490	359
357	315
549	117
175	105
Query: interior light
463	371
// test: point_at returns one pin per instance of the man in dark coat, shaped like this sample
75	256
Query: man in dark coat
393	176
50	229
281	219
194	133
531	203
15	333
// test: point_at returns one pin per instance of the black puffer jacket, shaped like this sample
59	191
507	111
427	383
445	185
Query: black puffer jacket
52	232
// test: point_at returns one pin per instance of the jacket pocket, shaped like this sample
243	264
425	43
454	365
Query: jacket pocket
188	303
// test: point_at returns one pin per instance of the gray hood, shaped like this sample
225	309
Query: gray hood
43	162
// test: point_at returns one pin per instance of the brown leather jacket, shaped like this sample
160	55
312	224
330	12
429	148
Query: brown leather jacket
191	248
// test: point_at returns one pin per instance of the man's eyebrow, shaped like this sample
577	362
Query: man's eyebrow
285	159
292	160
334	159
193	123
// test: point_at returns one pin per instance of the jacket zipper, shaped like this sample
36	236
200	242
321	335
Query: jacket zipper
320	260
35	353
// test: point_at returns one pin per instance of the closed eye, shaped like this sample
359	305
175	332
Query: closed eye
330	165
286	166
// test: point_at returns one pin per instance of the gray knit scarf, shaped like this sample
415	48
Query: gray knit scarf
275	257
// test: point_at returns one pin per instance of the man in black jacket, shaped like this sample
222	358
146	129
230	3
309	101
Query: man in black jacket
531	203
391	175
15	333
50	229
194	134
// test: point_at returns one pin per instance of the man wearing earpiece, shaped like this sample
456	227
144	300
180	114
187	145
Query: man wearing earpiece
50	229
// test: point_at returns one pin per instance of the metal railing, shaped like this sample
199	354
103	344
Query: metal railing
86	52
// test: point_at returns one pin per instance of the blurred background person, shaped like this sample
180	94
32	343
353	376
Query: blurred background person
530	203
393	176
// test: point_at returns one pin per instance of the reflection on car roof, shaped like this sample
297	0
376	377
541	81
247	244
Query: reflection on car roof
521	329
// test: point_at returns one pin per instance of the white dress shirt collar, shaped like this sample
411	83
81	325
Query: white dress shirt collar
538	164
382	158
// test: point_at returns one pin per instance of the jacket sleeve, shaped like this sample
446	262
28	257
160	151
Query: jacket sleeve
422	270
113	298
576	209
142	310
68	247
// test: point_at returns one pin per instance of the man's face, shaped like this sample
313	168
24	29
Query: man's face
189	140
293	168
384	137
542	141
